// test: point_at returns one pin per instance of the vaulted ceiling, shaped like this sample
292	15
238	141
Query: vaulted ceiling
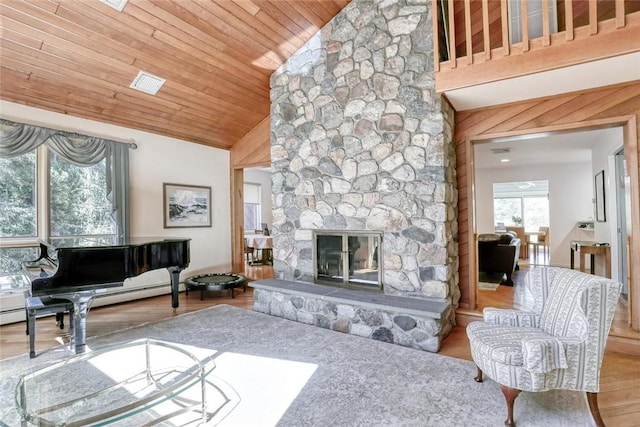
79	57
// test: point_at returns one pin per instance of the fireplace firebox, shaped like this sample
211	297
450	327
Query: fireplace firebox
348	259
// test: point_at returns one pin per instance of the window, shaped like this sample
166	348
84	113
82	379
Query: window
18	192
78	203
521	204
534	19
75	205
58	184
252	207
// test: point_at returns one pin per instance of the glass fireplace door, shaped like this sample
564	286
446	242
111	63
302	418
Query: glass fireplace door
348	259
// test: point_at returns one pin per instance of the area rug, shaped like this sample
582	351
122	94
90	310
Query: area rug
285	373
489	281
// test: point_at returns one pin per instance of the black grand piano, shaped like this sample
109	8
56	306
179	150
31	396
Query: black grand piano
77	269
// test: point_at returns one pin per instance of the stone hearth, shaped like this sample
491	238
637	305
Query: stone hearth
411	322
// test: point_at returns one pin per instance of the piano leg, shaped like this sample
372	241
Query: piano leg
81	301
80	327
175	287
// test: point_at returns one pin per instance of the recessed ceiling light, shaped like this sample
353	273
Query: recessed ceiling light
116	4
148	83
504	160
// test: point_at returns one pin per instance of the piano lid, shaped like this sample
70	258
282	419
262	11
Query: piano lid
108	241
96	263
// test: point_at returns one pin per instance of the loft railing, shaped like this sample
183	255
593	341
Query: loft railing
472	33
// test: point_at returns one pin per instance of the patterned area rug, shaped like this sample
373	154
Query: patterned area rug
284	373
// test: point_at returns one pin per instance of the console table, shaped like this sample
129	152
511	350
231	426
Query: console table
591	248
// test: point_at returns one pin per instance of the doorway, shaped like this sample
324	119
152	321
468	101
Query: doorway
256	222
568	160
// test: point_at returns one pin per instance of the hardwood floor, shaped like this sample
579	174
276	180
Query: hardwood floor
619	397
502	297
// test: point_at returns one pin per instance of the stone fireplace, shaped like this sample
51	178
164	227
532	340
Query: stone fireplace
360	141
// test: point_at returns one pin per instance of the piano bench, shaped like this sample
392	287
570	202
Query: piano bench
39	306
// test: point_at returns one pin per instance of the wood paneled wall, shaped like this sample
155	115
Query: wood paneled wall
254	149
617	105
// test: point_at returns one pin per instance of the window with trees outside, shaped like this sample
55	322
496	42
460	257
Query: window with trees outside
43	195
524	204
57	184
252	207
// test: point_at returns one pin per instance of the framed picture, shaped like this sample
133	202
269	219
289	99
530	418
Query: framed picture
186	206
601	214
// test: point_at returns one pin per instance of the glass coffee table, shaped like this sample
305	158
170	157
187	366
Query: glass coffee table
142	382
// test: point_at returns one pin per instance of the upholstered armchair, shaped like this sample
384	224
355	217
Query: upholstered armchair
556	342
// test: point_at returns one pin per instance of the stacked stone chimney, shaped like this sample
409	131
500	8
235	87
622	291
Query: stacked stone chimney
360	140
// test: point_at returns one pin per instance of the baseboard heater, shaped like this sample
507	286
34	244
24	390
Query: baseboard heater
19	310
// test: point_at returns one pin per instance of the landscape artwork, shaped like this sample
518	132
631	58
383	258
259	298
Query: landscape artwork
187	206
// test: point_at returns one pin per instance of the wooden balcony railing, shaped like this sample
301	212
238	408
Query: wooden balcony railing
479	41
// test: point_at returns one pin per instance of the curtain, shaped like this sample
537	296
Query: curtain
18	138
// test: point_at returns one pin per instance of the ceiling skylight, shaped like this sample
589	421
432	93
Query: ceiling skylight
116	4
148	83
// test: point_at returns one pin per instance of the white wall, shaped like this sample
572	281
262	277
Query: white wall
256	176
606	232
570	201
157	160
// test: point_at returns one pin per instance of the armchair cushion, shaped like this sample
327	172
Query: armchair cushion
543	354
510	317
564	310
496	344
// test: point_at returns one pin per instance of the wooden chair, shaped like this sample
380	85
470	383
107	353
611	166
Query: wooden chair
249	253
541	242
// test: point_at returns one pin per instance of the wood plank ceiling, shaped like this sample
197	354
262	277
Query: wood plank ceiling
79	57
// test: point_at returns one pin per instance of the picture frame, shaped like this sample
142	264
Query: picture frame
186	206
601	214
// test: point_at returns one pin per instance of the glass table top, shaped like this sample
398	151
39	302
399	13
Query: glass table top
140	382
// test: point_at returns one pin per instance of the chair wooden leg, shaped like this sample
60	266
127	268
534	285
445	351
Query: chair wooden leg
592	398
478	377
510	395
